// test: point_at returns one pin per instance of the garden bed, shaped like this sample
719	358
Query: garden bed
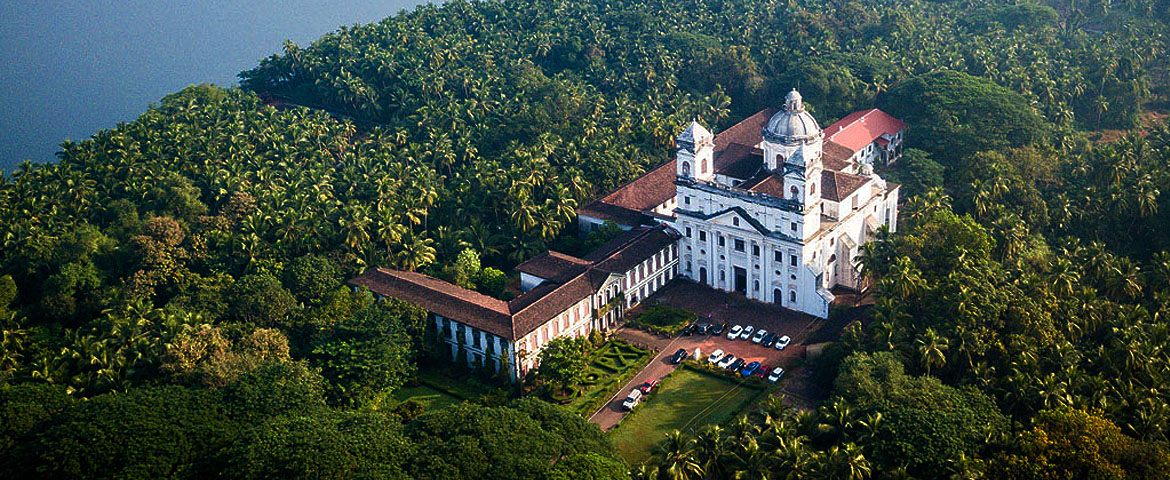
612	365
662	320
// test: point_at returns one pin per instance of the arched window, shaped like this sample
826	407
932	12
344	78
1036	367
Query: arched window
795	192
792	296
832	258
779	159
812	188
702	166
686	169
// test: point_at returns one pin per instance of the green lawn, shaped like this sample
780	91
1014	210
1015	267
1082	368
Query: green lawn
686	401
430	398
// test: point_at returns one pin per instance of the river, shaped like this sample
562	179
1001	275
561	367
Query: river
71	68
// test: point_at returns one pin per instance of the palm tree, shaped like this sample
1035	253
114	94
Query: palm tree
903	279
675	457
843	463
932	349
752	462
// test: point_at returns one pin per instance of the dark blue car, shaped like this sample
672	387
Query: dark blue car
751	367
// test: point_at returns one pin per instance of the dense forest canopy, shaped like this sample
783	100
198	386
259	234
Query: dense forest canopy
171	299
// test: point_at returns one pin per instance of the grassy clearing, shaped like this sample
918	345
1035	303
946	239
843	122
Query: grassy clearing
687	400
430	398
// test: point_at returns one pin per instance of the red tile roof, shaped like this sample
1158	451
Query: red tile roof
551	265
739	161
647	191
579	279
613	213
836	157
836	186
771	185
746	132
433	295
859	129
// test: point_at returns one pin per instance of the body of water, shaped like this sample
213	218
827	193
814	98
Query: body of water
71	68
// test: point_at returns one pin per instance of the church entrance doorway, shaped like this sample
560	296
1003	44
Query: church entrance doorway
741	280
703	275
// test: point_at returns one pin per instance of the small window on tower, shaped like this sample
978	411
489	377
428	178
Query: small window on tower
795	193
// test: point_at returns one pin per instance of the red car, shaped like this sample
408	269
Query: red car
763	371
649	385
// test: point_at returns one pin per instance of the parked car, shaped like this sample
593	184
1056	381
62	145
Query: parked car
703	329
734	332
759	336
746	333
776	374
749	369
688	330
678	356
736	365
769	340
717	329
783	342
632	400
715	356
764	371
726	361
649	385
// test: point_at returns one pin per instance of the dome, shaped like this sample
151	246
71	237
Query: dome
793	123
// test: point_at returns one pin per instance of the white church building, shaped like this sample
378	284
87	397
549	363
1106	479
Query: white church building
762	210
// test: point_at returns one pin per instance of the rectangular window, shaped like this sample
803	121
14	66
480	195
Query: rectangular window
794	226
702	236
688	232
722	241
792	260
735	221
475	338
756	250
739	245
687	200
777	256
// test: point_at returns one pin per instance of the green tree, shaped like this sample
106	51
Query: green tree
563	361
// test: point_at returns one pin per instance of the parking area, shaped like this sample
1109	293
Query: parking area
712	307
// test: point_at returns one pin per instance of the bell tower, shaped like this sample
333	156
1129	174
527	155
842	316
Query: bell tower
695	153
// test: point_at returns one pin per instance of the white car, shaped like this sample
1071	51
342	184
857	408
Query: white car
715	356
631	401
726	361
776	374
783	342
759	336
734	332
746	333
